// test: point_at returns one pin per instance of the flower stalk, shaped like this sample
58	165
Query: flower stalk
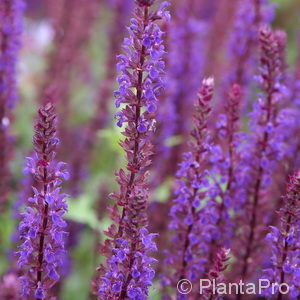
41	229
128	272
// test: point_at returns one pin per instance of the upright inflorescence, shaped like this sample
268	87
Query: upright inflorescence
73	21
11	12
225	160
219	29
186	259
215	274
243	40
42	229
285	243
261	154
128	272
186	35
229	138
208	191
242	46
294	88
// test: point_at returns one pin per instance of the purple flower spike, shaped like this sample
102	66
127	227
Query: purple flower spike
187	258
186	35
11	12
128	271
42	228
224	164
284	242
261	155
244	39
216	273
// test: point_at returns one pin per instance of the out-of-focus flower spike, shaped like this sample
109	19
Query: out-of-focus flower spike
225	162
9	287
262	155
73	22
11	14
218	32
243	40
242	46
284	243
186	259
186	35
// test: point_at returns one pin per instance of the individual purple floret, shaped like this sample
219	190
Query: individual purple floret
186	260
128	272
42	229
284	241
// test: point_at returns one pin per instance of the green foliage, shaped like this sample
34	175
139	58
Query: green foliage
77	286
6	230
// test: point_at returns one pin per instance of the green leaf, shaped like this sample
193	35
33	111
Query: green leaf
82	211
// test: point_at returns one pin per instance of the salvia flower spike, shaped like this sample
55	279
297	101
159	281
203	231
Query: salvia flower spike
128	272
225	162
42	229
262	153
244	38
284	241
186	260
11	12
216	275
186	35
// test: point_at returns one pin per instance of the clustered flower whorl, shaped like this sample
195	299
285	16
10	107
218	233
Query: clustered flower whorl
285	242
128	272
42	228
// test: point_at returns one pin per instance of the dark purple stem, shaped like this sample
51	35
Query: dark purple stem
45	214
